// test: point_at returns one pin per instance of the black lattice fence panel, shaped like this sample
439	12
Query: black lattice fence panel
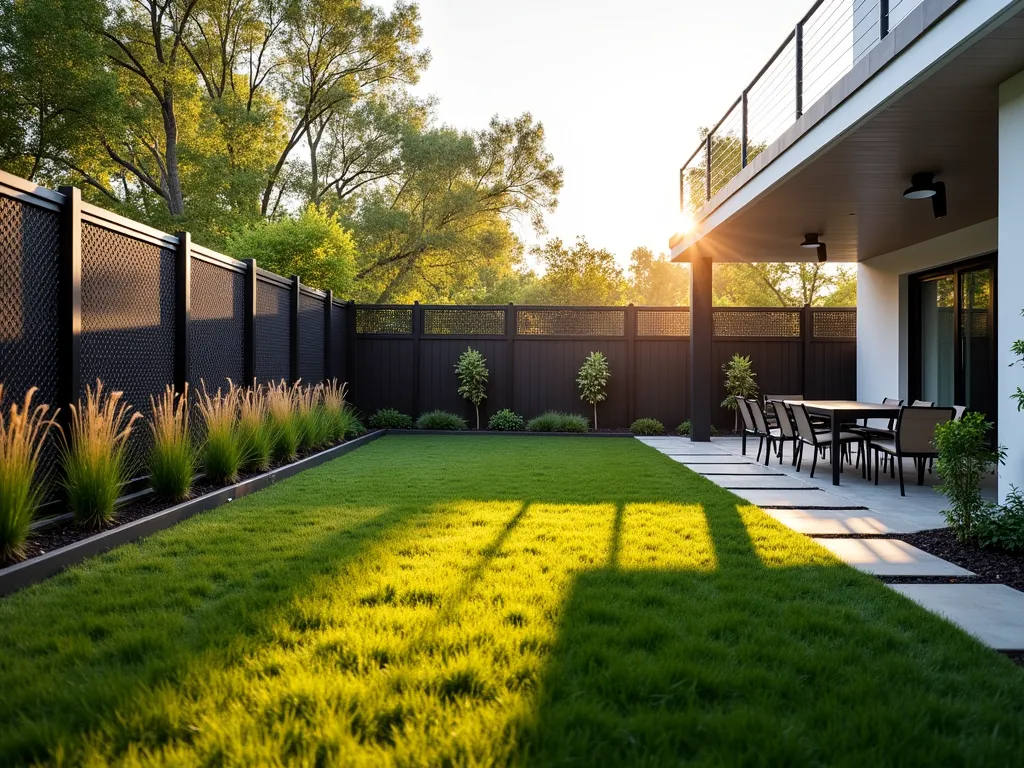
571	322
217	325
127	321
384	320
273	331
767	323
834	324
464	322
661	322
311	338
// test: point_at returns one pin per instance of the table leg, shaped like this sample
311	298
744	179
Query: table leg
837	453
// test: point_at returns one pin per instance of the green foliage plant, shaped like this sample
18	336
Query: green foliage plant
506	420
556	421
254	429
739	382
349	424
440	420
332	402
172	459
389	418
314	427
1002	527
648	427
593	380
964	458
22	434
1017	348
94	458
684	428
222	445
472	372
285	430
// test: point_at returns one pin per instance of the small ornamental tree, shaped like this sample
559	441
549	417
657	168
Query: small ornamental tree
472	372
739	383
964	458
593	380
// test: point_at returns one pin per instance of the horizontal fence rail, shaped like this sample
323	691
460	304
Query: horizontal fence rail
823	47
86	294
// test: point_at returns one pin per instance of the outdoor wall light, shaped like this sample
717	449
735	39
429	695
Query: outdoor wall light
811	241
923	186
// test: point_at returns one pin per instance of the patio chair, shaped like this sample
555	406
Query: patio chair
747	426
914	435
769	411
819	440
869	432
787	432
762	430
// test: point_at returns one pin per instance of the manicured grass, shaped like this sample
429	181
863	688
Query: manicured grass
429	601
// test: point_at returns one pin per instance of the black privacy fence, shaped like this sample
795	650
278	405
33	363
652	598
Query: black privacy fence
86	294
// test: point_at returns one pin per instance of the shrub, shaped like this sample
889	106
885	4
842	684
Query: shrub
440	420
506	421
1002	527
22	435
555	421
285	434
389	418
254	429
94	455
472	372
314	429
647	427
350	425
964	457
172	461
222	449
593	380
684	428
739	382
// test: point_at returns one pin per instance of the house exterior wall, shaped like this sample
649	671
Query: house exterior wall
1010	267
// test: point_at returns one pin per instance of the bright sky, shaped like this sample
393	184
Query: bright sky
622	90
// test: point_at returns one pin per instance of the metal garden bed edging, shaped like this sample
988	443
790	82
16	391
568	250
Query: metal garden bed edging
24	574
507	433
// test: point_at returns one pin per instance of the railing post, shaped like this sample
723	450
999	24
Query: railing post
293	370
630	364
798	37
744	138
328	346
69	313
807	334
883	19
707	169
182	310
249	327
417	333
510	341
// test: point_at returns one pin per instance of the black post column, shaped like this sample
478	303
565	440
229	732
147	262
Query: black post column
293	367
69	312
182	310
700	349
328	338
250	323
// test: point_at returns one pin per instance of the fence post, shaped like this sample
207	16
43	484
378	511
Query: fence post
630	364
807	336
510	342
883	19
69	293
182	310
350	347
249	327
328	356
798	38
293	371
417	333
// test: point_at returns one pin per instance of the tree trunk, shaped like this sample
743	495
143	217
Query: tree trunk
477	415
595	417
175	200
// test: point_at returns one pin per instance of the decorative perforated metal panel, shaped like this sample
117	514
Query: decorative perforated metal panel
127	320
571	322
660	322
464	322
384	320
29	254
781	324
311	338
217	325
834	324
273	332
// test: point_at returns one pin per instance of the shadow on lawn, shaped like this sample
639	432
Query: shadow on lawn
752	664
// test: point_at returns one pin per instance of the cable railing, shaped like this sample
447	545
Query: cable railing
823	47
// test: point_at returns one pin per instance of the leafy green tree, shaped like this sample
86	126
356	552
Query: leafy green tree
580	275
784	285
314	246
472	372
739	383
656	281
593	380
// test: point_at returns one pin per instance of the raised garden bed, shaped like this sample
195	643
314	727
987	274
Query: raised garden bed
54	548
521	433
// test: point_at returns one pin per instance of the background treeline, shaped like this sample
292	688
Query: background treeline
288	131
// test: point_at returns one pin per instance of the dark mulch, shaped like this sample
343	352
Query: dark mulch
932	580
992	566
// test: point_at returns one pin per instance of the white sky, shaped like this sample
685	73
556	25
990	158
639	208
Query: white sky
622	89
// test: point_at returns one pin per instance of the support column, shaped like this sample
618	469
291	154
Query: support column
1009	278
700	349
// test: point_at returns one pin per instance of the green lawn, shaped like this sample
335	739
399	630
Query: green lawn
431	601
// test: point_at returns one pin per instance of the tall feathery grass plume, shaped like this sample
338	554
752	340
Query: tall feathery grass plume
222	449
172	461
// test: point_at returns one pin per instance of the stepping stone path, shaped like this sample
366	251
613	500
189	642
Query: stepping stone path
994	613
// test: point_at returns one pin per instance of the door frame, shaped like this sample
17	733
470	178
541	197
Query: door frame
956	271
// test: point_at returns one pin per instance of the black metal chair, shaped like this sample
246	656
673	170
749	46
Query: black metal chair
819	440
764	432
747	425
787	432
914	439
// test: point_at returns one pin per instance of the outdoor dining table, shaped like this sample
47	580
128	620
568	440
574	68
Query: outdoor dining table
845	412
